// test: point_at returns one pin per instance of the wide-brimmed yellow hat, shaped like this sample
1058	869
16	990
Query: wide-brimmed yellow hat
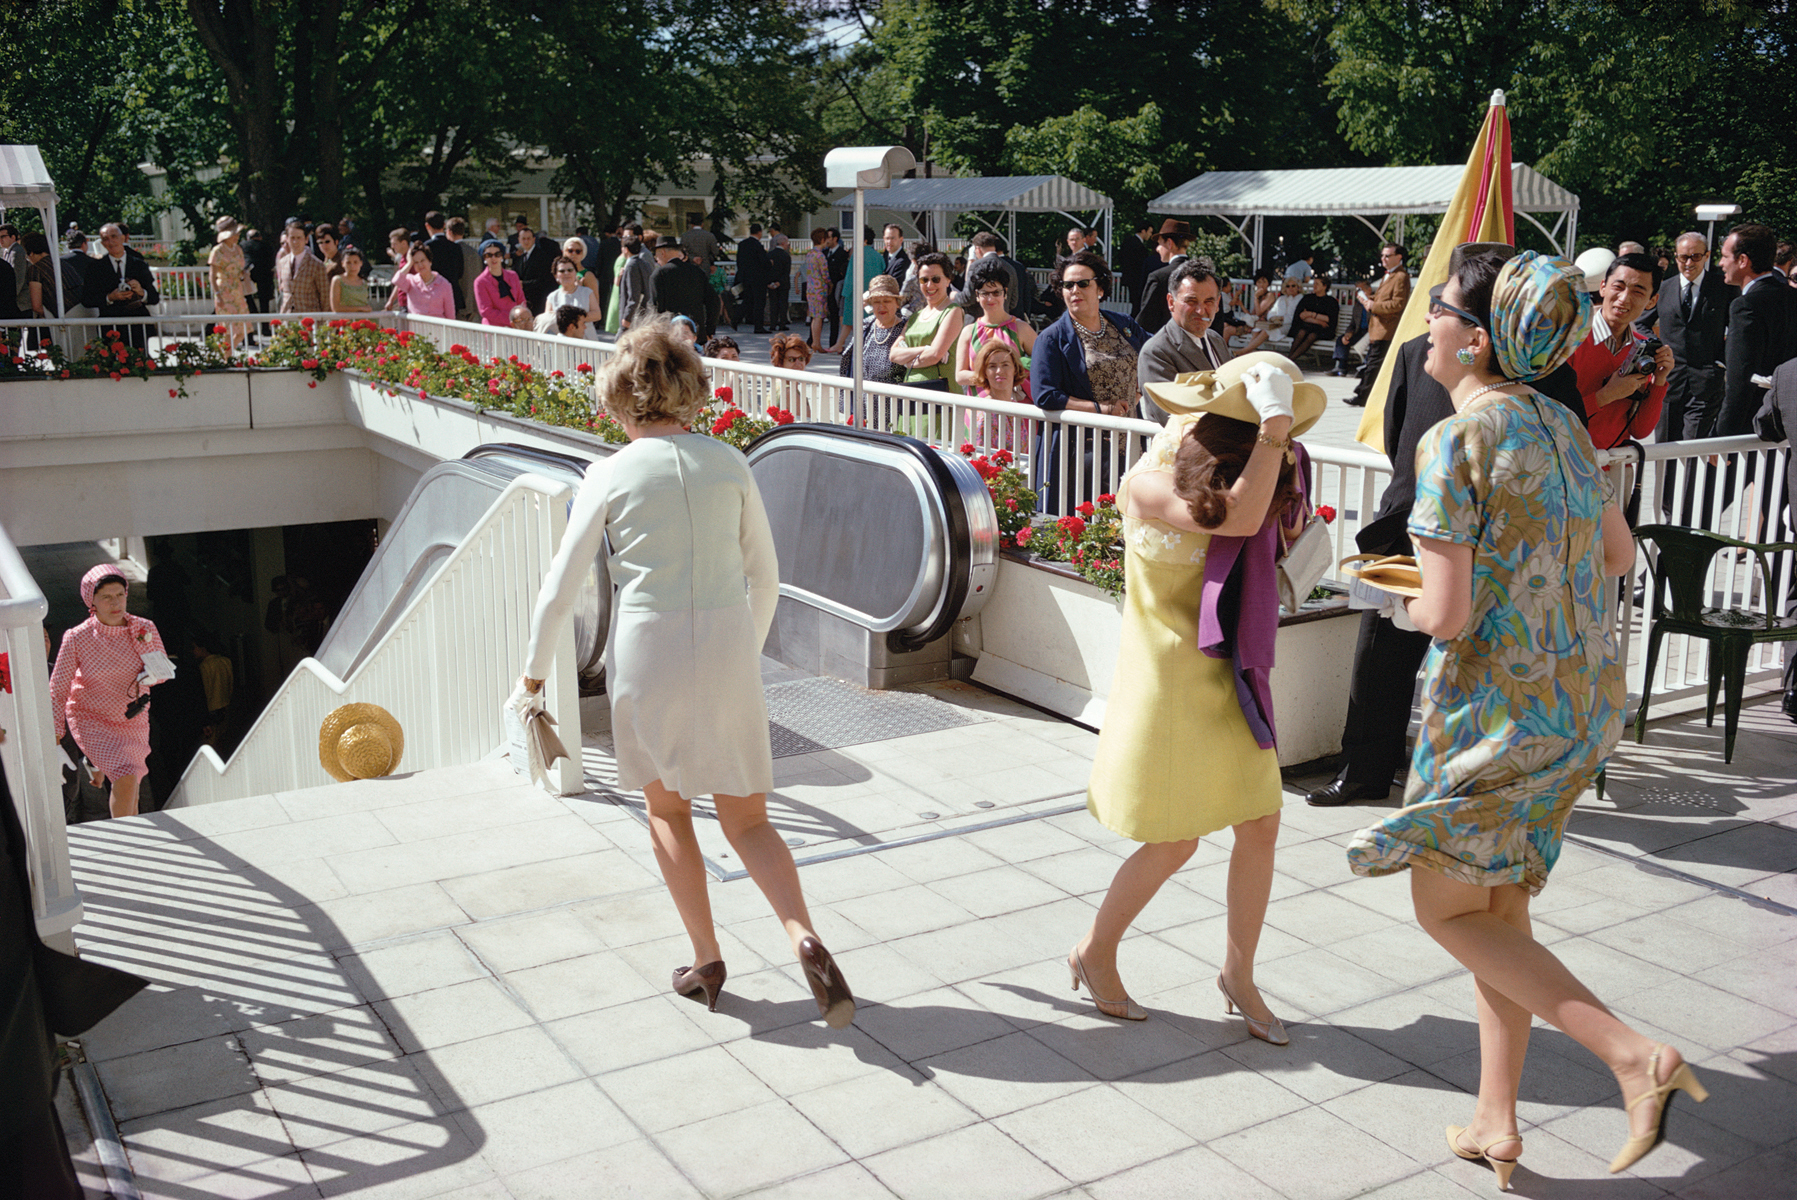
360	741
1222	392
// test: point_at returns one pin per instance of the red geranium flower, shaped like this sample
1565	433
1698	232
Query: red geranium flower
1107	498
1023	535
725	394
1086	509
967	447
219	330
1073	525
584	368
1325	512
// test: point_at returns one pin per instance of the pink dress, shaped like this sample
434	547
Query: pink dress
95	678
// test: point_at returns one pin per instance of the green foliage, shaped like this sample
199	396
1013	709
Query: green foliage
1123	158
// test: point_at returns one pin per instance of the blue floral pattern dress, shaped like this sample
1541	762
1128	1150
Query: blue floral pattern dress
1520	712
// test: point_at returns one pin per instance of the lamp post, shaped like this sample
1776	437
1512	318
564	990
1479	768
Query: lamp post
864	168
1713	213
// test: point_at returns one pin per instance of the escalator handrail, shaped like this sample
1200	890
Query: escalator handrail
959	565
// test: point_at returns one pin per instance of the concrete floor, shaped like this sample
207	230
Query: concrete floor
449	984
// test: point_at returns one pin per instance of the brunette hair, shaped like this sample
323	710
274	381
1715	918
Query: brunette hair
559	260
819	236
1210	459
1101	270
653	375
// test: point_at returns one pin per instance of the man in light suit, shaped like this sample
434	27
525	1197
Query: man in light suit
1186	342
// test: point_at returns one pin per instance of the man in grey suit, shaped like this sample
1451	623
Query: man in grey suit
1186	342
1692	316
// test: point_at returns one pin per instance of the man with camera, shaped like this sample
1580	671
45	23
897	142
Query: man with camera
121	284
1622	372
1383	308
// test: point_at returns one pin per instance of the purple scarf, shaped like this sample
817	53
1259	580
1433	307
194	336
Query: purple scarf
1239	616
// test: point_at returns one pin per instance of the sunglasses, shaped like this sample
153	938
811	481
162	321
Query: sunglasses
1068	285
1690	257
1438	306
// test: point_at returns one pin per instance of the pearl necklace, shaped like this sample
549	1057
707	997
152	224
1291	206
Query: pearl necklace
874	334
1490	387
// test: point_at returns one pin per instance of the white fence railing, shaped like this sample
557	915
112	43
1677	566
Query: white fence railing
443	670
33	763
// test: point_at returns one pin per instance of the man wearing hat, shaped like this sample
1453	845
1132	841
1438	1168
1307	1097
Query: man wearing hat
1387	658
1151	306
678	287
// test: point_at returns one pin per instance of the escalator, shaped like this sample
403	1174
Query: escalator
883	544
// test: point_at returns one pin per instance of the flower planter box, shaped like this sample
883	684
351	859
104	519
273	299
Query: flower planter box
281	399
32	409
447	429
1049	637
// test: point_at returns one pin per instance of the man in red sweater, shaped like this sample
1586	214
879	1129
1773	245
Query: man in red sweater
1619	407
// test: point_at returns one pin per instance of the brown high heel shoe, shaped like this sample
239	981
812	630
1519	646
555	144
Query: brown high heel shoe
1271	1032
708	979
1124	1009
835	1003
1683	1078
1501	1167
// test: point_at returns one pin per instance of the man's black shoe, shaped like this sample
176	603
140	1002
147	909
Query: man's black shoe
1346	791
1790	705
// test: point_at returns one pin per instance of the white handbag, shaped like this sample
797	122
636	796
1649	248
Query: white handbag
1305	561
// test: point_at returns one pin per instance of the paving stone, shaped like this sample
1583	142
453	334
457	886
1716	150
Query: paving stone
1092	1133
1356	1159
690	1087
447	1015
941	1167
184	1144
1194	1171
633	1170
878	1110
750	1148
548	1125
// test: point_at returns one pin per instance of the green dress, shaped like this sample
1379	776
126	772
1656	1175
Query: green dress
617	294
1175	759
920	330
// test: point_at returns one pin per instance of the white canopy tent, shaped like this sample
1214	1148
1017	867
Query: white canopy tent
1246	198
25	183
943	200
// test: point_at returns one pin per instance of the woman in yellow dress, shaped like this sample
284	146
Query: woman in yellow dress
1187	746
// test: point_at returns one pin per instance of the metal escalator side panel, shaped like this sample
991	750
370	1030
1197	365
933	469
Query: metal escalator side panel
853	527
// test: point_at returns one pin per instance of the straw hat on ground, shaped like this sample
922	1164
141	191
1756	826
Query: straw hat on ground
360	741
1222	392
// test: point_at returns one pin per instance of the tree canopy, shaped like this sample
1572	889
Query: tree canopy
385	108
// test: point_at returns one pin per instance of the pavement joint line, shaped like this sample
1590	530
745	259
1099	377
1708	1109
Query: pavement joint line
1647	863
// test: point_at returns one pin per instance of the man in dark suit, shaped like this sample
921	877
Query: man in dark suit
679	288
1387	658
604	263
1186	342
536	267
1692	318
1776	418
74	264
121	284
446	256
836	256
1762	324
751	278
1133	257
1151	303
892	239
779	283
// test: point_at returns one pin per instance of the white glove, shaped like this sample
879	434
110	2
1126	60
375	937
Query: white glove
524	702
1269	390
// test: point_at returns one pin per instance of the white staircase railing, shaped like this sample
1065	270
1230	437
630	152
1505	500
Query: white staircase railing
33	765
443	670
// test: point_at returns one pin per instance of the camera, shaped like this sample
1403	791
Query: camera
1641	358
137	706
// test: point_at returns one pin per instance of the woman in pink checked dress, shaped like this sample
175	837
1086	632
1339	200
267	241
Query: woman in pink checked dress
95	679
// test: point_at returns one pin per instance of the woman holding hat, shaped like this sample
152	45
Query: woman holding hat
97	688
1187	746
231	286
1522	691
879	333
687	540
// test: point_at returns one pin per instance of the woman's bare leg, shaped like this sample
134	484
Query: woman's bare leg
1134	885
767	859
124	795
1250	886
817	335
682	867
1503	1042
1509	962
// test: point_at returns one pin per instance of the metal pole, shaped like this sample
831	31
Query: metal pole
859	268
62	307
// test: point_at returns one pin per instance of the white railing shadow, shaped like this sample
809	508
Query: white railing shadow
443	670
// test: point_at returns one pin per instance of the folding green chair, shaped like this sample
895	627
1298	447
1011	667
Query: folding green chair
1680	564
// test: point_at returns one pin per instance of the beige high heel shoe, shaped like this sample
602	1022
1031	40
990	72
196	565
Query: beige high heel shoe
1683	1078
1501	1167
1124	1009
1271	1032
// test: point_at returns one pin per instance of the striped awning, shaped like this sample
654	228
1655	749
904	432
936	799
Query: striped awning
24	180
1009	193
1345	191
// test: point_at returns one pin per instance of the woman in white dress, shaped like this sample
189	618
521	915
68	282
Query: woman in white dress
683	527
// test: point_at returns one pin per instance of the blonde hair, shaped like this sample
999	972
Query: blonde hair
983	356
654	375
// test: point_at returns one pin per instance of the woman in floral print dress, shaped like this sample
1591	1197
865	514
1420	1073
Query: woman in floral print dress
1523	693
